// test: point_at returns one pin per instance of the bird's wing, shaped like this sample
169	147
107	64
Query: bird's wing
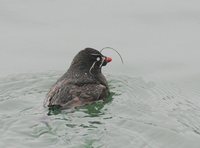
65	94
58	93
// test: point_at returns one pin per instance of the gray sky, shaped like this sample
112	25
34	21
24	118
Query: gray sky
45	35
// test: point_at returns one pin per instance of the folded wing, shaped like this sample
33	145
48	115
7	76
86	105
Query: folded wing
68	95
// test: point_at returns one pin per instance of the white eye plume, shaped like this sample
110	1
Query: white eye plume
103	59
90	71
97	60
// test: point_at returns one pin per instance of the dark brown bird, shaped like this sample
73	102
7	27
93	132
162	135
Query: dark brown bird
82	84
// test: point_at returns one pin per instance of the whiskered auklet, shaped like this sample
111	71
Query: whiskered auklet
82	84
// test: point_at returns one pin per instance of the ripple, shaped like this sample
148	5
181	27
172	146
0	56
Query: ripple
139	112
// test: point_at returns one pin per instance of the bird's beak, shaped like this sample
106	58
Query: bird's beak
108	59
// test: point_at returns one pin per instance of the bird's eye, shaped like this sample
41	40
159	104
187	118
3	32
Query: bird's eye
98	59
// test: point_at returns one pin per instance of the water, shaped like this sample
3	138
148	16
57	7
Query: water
138	114
155	94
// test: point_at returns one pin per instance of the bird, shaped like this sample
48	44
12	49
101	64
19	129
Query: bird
82	84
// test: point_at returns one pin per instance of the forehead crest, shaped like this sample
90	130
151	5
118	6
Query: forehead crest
92	51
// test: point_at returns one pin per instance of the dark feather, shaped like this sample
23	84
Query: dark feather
77	86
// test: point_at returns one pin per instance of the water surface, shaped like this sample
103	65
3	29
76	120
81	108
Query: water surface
139	113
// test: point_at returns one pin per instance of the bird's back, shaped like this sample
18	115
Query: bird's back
67	95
